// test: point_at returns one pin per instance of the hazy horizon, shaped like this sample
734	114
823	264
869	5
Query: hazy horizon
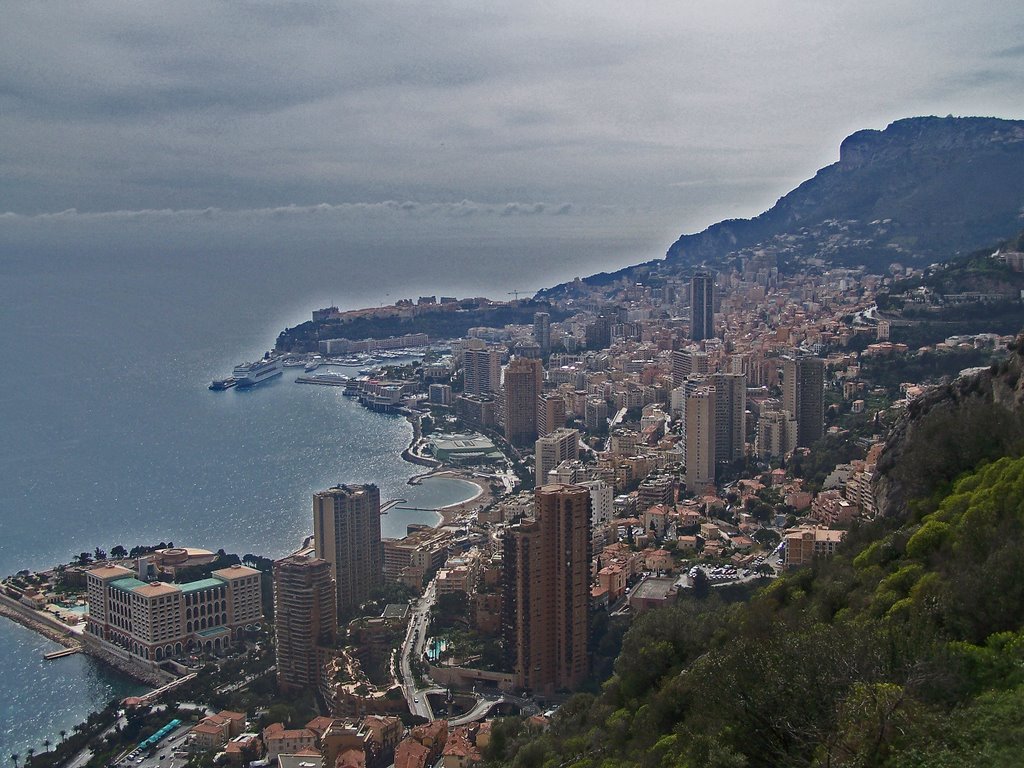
567	119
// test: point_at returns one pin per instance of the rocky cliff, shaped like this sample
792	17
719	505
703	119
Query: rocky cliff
977	417
923	188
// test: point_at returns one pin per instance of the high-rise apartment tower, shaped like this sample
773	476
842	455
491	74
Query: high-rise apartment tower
481	371
305	620
803	395
542	331
702	306
546	613
346	528
524	378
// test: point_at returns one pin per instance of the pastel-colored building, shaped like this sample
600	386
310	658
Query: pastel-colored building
156	621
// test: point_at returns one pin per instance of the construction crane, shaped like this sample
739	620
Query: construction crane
516	293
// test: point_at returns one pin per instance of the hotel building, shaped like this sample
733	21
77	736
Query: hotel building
157	621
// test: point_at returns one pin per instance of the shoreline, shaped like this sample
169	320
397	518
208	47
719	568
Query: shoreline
58	632
38	622
449	512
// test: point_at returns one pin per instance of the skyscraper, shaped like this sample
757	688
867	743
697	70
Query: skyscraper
524	378
730	415
346	528
305	620
547	591
688	362
776	433
700	438
702	306
481	370
542	331
550	413
803	395
550	451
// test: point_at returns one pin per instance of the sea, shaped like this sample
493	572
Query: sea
112	328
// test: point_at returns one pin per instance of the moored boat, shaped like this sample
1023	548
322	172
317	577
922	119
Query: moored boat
250	374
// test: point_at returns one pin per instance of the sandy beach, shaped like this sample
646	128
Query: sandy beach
480	498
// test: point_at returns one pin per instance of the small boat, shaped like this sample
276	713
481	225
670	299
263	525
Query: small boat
218	385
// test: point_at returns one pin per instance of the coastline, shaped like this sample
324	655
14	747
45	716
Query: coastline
449	512
55	630
38	622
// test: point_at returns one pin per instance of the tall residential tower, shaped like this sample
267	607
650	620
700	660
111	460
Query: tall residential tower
524	378
305	620
702	306
803	395
346	527
546	613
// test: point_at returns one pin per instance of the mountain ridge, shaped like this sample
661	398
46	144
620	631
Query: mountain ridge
945	184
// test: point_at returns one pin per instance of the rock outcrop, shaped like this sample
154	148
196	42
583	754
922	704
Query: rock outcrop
977	417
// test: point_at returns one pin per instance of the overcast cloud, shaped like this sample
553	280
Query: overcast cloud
686	112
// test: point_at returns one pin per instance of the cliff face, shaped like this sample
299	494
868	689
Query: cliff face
941	185
977	417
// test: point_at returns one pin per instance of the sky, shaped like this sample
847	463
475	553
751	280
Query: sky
648	119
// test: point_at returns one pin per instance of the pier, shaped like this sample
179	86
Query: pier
62	653
389	505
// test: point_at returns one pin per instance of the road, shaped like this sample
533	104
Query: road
412	648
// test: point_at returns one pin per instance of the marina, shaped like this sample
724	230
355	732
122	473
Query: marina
328	379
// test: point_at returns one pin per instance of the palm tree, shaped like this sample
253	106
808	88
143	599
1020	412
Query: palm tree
63	734
46	744
14	759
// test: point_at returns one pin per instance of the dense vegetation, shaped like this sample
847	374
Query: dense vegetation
905	649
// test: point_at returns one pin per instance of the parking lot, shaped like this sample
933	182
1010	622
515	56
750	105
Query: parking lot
162	755
727	574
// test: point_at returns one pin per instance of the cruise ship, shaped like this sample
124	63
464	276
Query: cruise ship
251	374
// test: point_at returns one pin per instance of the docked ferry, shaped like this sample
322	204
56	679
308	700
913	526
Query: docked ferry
251	374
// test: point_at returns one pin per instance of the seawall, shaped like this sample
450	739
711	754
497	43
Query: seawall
39	622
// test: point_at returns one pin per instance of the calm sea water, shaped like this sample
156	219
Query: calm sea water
110	435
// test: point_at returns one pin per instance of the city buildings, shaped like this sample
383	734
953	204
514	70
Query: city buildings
702	306
346	530
550	451
803	395
481	371
154	621
523	381
547	591
305	620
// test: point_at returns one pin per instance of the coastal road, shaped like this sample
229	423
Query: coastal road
412	648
